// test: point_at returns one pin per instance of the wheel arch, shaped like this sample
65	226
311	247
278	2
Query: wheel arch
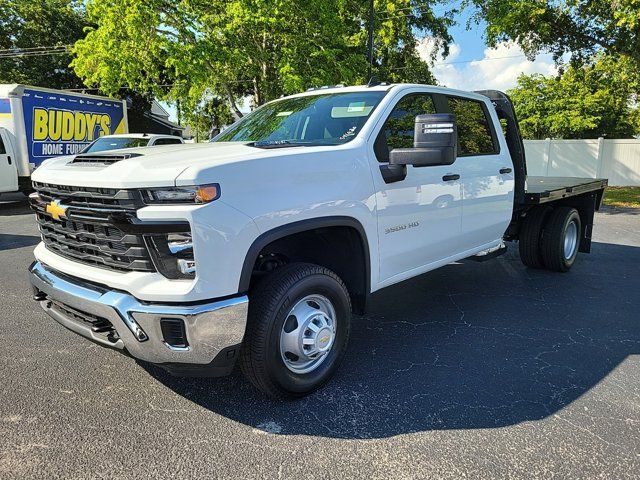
308	226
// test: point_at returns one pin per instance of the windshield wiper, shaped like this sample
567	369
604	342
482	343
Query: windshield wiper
278	144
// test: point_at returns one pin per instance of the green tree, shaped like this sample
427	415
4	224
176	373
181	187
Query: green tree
398	26
195	49
208	118
587	101
26	24
578	27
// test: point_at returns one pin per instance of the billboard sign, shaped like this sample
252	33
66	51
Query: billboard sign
61	124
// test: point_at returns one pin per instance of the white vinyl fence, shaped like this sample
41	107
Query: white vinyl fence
617	160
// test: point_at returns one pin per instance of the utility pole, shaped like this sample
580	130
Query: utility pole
370	45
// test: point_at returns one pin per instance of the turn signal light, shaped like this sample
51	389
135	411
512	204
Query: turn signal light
207	193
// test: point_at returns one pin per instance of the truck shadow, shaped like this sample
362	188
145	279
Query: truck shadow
607	210
467	346
13	204
9	242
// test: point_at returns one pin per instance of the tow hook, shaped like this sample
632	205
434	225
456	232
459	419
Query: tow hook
39	296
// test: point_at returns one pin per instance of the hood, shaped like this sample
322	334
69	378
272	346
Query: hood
149	166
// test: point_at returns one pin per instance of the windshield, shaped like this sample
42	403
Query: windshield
329	119
114	143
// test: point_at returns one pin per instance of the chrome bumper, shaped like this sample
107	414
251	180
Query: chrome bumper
88	309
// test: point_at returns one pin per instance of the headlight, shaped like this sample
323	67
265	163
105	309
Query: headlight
173	254
196	194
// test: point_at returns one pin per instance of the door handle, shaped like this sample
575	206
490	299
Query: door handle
505	170
453	176
9	159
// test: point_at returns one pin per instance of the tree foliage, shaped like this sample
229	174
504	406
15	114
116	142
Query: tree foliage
25	24
578	27
209	117
398	26
590	101
195	49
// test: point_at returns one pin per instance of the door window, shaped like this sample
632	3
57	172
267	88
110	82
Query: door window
475	135
3	150
400	125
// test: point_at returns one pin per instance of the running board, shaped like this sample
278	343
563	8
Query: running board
490	253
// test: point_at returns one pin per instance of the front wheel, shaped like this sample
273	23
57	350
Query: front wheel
297	330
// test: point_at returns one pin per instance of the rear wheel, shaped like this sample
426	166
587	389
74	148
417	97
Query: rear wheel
297	330
529	243
561	239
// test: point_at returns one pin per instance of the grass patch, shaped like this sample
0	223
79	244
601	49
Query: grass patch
622	197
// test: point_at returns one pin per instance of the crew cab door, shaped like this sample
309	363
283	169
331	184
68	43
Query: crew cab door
8	167
419	218
486	172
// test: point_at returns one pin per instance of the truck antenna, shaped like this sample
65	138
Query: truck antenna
373	81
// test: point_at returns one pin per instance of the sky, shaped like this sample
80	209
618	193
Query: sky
471	65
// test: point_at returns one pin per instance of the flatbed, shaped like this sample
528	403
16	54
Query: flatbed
548	189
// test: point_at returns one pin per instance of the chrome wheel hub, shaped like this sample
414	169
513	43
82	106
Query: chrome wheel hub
570	240
308	334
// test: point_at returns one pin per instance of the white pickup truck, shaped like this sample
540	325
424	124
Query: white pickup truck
258	246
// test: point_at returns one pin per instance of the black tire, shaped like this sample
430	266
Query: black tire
553	239
529	237
269	306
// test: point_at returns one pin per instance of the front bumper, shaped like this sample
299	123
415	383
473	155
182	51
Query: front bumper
114	319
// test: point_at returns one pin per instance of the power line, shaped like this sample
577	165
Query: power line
33	52
64	50
44	54
407	15
16	53
465	61
29	49
415	7
481	60
164	85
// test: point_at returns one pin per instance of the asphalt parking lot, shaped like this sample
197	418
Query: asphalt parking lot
476	370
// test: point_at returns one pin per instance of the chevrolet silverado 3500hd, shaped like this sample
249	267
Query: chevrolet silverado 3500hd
257	247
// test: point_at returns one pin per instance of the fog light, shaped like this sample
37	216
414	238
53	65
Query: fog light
186	266
172	255
179	243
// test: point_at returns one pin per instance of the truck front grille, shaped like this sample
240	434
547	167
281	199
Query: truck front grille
86	231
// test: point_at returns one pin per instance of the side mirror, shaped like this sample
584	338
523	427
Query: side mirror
435	142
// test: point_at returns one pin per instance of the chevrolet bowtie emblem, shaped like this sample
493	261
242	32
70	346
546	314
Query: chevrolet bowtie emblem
56	210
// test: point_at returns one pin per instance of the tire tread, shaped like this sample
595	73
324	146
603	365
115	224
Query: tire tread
553	230
530	237
263	305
